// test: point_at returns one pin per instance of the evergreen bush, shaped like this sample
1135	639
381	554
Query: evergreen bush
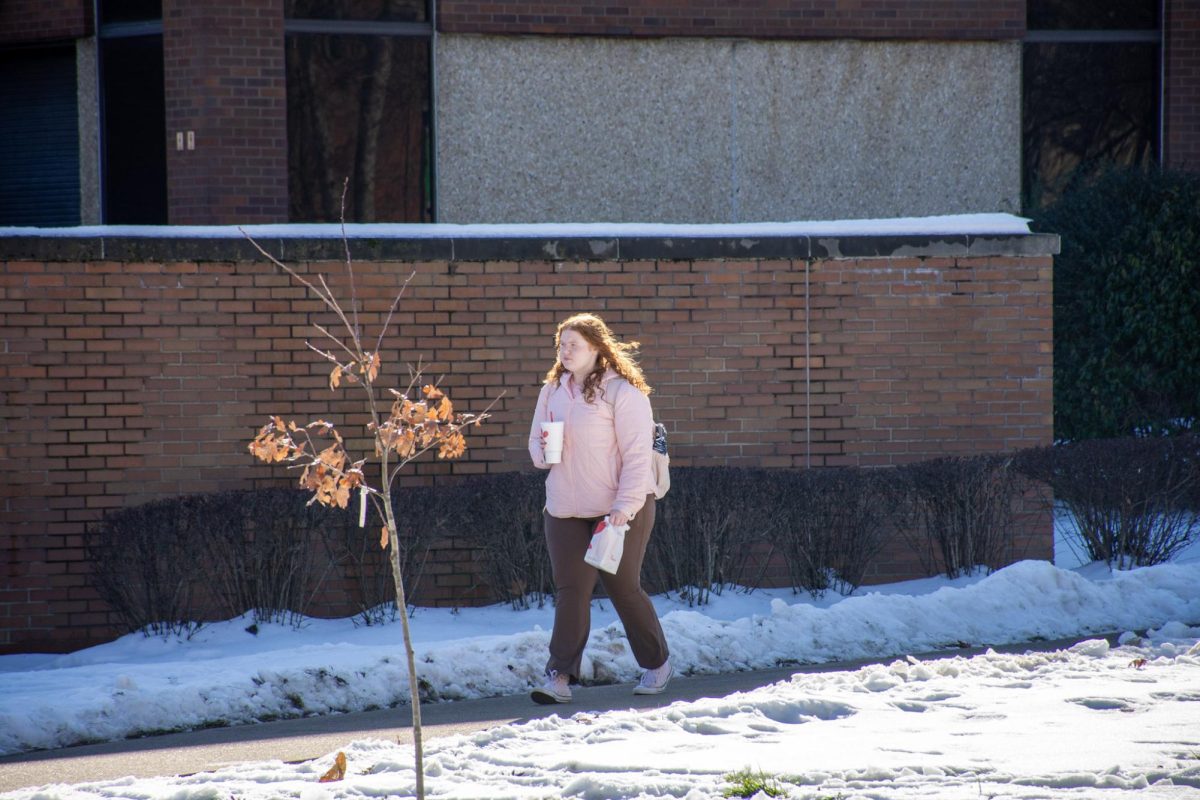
1126	304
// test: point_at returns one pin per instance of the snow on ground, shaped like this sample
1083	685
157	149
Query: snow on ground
954	224
1062	724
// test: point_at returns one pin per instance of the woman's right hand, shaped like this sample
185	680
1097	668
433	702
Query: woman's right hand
539	460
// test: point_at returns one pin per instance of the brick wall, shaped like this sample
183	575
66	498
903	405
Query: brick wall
124	381
26	21
1182	94
886	19
919	358
224	74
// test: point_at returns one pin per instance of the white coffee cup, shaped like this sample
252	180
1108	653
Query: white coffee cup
552	441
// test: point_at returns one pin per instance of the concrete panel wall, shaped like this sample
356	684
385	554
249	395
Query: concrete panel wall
717	130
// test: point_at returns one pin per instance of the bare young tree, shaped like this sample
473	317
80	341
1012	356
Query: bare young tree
419	420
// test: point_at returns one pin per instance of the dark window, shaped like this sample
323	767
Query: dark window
1091	94
359	110
134	168
39	138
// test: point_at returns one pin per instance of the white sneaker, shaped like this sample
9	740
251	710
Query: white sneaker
655	680
556	689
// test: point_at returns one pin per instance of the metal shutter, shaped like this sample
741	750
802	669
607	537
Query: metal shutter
39	138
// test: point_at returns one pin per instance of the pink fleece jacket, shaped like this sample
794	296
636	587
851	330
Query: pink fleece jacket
606	448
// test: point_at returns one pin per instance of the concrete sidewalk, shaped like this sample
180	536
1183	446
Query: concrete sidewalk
303	739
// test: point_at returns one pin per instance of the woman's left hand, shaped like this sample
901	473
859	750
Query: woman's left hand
618	517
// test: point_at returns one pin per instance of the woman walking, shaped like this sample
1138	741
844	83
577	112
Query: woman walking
597	390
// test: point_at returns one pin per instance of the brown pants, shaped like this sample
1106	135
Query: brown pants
574	579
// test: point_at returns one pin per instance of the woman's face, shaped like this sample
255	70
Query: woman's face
576	353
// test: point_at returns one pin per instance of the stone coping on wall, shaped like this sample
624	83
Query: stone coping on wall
962	236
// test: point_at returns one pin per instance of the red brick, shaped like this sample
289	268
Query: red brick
772	18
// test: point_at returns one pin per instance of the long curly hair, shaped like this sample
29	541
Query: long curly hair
615	355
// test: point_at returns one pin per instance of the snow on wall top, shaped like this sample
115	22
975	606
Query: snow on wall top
951	225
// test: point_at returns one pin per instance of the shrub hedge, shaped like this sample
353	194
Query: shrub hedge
1131	502
957	513
167	566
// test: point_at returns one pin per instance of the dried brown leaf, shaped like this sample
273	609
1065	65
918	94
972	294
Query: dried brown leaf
270	447
341	494
259	449
338	771
453	446
334	456
404	443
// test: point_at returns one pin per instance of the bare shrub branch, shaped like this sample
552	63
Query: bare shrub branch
1132	501
501	516
704	530
831	526
958	513
145	561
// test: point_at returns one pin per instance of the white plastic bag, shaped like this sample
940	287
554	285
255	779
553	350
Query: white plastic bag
607	546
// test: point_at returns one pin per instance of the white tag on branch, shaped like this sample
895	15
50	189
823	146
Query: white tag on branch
362	506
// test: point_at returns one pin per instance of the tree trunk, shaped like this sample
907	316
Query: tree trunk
414	688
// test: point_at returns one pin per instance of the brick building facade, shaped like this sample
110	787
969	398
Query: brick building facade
223	75
31	21
772	19
1182	94
466	112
